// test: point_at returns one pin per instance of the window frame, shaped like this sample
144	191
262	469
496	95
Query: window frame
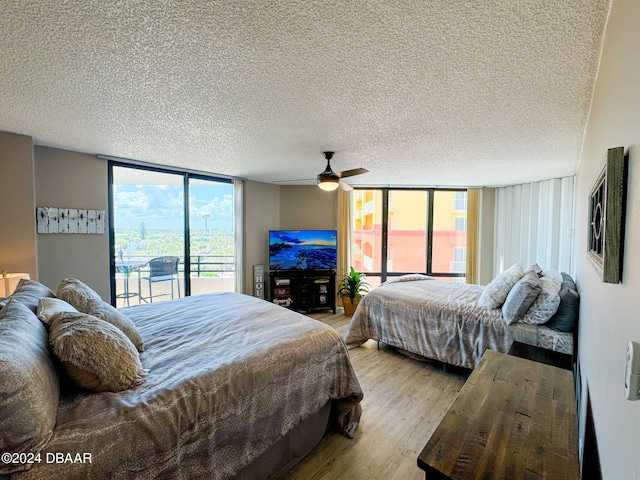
186	176
384	274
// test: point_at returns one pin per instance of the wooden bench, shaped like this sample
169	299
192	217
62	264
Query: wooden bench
513	419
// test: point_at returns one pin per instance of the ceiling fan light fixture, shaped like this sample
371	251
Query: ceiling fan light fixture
328	182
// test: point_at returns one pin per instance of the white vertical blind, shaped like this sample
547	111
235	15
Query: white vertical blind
534	224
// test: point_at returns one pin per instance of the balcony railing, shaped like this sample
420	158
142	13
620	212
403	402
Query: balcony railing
209	273
201	265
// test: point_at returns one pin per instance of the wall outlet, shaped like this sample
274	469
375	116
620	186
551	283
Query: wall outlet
632	372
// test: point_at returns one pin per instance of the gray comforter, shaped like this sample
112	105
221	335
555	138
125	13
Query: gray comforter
442	321
228	375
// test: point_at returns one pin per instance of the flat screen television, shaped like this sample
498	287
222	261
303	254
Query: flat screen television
302	249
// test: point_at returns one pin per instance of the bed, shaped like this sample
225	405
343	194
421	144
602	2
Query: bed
432	319
235	387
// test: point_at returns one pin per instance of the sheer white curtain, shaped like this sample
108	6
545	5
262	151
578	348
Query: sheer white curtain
534	224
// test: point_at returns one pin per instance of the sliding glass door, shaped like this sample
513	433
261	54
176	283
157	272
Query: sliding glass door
211	236
172	234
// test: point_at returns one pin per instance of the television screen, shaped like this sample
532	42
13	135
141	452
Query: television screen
302	249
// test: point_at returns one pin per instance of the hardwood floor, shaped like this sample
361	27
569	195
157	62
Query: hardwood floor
404	401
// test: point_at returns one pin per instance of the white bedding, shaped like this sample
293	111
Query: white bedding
442	321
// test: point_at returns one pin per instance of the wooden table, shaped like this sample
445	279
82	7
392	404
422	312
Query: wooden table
513	419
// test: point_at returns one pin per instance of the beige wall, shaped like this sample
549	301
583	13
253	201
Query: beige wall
261	214
609	313
18	212
66	179
306	207
272	207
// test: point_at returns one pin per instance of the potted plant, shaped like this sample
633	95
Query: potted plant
351	288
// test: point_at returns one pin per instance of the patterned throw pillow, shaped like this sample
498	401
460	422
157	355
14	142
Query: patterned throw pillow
546	304
495	294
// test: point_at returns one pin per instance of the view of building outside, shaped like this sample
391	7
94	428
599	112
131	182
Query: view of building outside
367	231
449	232
407	233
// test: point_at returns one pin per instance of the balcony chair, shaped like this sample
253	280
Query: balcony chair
162	269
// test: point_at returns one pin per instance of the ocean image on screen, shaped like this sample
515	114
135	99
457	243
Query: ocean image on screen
302	249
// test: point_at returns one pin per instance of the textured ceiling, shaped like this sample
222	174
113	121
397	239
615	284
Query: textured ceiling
420	92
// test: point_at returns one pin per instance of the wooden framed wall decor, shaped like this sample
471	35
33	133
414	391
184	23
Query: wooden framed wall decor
607	211
70	220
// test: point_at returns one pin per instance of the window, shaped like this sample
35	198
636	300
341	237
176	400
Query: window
459	262
162	214
399	231
459	202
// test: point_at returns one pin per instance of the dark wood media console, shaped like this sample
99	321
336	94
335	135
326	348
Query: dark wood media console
304	291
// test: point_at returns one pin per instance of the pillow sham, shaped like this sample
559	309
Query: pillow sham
29	387
535	268
109	313
76	293
96	355
495	294
547	301
48	307
409	277
29	292
566	317
520	298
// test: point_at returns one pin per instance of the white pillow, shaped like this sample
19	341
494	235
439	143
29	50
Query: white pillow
495	294
48	307
546	304
410	277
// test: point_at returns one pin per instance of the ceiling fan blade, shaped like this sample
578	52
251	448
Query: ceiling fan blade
351	173
294	180
345	186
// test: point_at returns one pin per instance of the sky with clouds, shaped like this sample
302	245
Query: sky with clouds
162	206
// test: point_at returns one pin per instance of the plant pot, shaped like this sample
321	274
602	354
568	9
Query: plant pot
349	306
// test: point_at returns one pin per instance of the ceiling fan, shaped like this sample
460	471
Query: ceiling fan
329	180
